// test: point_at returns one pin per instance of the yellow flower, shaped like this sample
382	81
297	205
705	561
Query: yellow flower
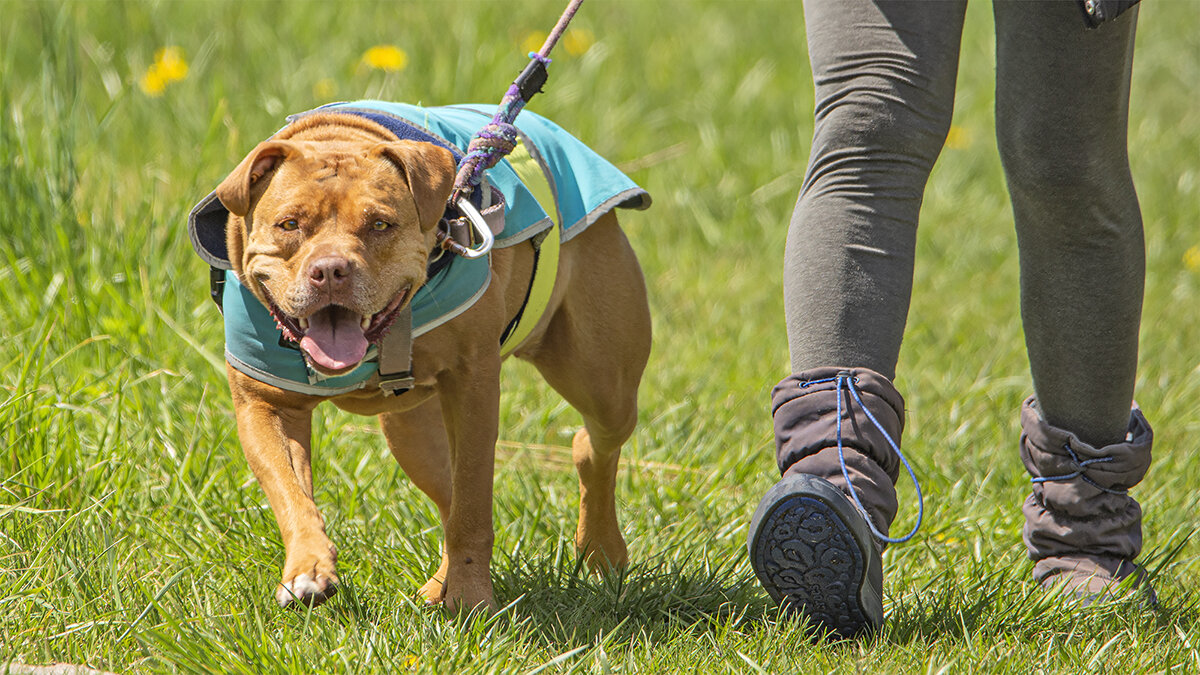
171	63
958	138
577	42
324	88
533	41
1191	258
385	57
169	66
152	83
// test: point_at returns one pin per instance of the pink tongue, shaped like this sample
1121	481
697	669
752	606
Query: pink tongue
334	339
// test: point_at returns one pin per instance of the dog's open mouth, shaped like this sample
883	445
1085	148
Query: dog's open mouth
335	339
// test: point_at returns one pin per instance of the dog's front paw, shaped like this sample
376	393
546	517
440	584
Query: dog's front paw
604	551
433	591
309	577
306	591
469	594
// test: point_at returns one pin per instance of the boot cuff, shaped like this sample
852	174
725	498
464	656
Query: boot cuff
804	406
1076	479
824	379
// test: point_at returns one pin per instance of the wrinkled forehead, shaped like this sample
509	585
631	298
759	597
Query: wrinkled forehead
336	175
332	185
328	167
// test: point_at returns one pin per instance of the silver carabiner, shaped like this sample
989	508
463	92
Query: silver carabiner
483	232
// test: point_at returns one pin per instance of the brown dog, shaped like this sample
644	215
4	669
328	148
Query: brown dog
331	224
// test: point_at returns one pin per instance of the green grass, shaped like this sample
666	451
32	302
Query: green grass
134	538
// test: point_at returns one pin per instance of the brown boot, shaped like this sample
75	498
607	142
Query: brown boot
1082	529
804	407
815	538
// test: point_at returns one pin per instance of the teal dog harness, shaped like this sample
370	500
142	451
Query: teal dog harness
579	186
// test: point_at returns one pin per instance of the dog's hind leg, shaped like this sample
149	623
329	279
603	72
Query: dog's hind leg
418	441
593	352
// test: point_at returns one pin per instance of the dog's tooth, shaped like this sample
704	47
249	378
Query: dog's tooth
303	324
365	323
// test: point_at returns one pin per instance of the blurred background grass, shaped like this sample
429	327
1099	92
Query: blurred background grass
132	534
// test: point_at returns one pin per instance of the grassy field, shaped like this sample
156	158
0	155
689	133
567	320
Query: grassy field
132	534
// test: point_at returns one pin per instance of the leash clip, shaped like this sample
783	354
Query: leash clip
482	233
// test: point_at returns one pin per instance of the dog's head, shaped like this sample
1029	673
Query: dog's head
330	226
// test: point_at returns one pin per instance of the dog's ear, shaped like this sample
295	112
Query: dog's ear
234	192
429	171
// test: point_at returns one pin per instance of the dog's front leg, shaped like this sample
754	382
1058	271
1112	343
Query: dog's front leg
471	409
275	429
418	440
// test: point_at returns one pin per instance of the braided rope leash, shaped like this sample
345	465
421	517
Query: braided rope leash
846	382
498	138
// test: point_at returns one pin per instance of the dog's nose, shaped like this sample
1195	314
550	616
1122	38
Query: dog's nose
329	272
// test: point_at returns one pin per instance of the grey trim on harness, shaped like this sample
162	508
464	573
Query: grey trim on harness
312	389
632	198
452	314
206	210
619	199
540	227
286	384
395	352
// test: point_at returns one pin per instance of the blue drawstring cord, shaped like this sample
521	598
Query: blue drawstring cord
845	381
1080	467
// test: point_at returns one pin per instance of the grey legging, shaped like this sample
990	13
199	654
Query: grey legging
884	75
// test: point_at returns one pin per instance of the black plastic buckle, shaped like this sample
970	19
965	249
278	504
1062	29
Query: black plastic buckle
531	80
216	286
395	384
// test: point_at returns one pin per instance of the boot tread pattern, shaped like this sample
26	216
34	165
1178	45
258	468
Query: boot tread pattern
807	559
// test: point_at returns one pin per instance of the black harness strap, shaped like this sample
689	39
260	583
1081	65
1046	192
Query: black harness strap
536	240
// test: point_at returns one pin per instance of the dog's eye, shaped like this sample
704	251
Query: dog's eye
380	225
288	225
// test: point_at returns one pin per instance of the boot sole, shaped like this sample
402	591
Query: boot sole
811	550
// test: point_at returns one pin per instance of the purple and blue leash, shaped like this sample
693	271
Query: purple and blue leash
498	138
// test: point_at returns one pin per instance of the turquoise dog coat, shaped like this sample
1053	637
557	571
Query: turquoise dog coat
584	186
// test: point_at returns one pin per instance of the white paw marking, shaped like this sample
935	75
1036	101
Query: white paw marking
302	589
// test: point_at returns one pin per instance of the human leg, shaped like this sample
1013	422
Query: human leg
1061	113
1062	97
884	75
